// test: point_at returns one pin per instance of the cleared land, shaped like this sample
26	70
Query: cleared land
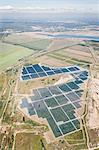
77	54
27	141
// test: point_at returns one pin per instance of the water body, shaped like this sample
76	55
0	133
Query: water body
96	38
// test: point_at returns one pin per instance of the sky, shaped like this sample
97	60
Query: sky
69	5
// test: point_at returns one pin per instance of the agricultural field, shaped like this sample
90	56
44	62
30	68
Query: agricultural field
66	55
10	55
59	44
19	38
27	41
26	141
77	140
14	47
74	55
37	45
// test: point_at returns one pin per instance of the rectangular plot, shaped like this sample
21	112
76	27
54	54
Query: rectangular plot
68	107
64	70
44	92
85	73
54	127
46	68
71	69
59	115
26	77
82	77
36	96
78	81
37	68
50	73
51	102
57	71
41	109
54	90
67	127
34	76
64	88
61	99
77	104
72	96
76	68
31	110
71	114
76	123
79	92
30	70
42	74
72	85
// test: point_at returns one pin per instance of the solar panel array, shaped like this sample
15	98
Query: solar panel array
37	71
58	104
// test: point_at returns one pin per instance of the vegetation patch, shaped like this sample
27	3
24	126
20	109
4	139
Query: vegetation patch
27	141
10	55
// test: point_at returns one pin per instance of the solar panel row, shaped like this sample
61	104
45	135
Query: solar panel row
57	103
37	71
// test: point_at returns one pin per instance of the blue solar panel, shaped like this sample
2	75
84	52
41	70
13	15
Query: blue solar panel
64	70
50	73
24	71
78	81
85	73
37	68
76	68
34	75
30	70
26	77
42	74
79	92
71	69
81	76
72	85
46	68
57	71
64	88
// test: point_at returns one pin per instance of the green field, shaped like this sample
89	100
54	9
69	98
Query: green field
75	138
16	47
27	41
18	39
37	45
10	54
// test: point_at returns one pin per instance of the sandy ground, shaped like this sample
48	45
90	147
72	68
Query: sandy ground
93	105
49	61
64	79
80	48
33	34
24	87
61	43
